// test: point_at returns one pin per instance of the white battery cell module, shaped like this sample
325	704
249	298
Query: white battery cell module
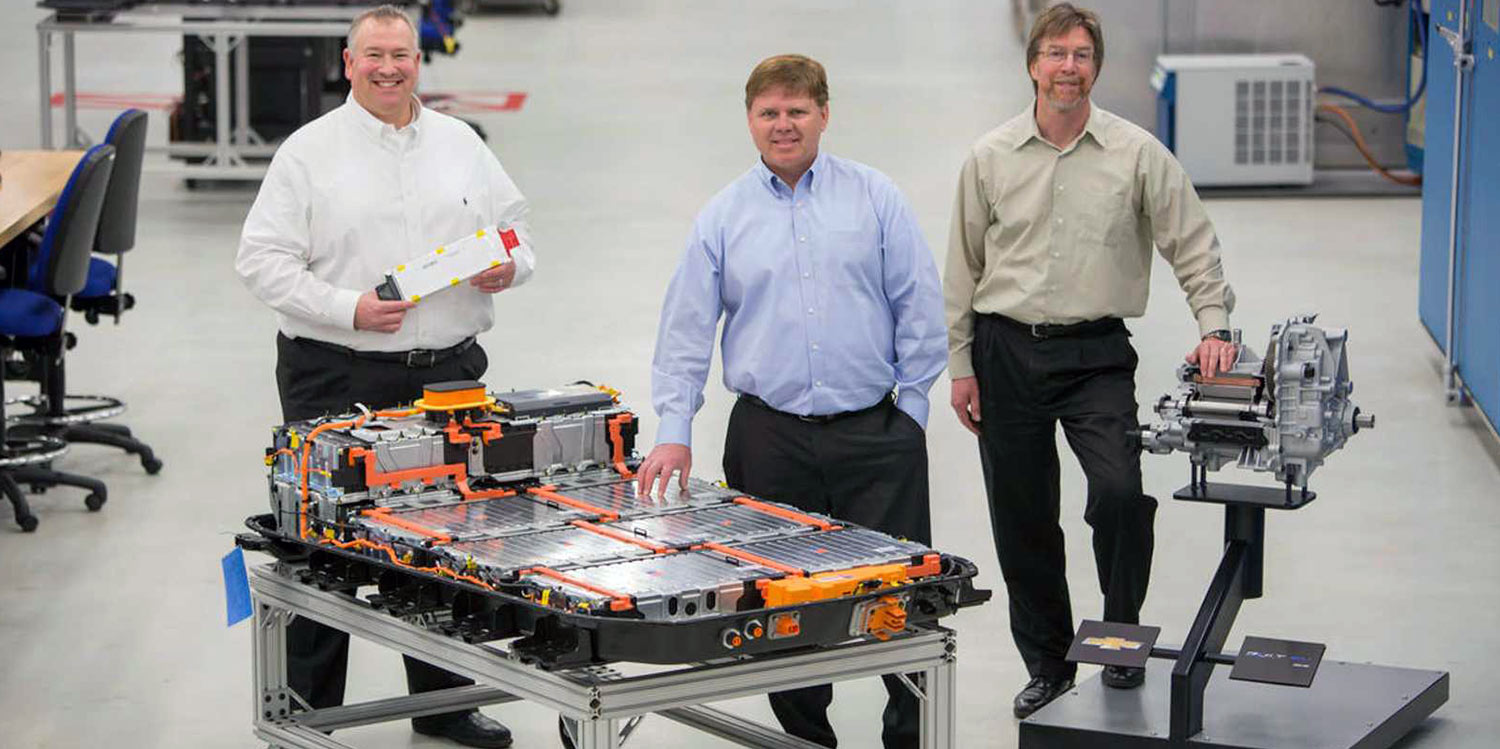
450	264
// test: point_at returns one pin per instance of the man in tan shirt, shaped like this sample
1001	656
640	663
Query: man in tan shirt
1050	249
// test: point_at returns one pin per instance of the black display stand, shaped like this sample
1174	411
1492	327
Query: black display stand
1348	705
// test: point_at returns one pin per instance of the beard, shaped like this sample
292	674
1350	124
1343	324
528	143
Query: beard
1066	104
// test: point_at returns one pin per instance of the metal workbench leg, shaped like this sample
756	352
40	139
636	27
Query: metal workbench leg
242	91
939	710
70	94
221	99
271	695
44	80
599	733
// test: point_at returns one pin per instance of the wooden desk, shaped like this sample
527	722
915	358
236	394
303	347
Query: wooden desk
30	183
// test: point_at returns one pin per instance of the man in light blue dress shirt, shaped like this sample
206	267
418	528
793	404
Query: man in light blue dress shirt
833	333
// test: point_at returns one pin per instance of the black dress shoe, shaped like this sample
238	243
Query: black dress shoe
1123	677
1038	692
473	729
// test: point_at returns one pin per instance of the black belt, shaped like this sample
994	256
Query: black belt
417	358
815	418
1083	329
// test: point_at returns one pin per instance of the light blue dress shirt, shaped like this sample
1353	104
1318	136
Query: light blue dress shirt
829	294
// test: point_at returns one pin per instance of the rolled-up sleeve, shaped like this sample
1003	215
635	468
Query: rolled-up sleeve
1185	237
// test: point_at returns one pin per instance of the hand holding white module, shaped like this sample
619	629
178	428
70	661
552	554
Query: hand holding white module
452	263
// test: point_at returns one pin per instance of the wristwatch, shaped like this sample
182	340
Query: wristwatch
1221	334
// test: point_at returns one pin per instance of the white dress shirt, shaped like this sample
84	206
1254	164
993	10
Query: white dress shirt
347	197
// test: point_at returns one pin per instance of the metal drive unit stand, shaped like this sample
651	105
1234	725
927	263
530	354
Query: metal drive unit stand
1282	415
605	704
1347	705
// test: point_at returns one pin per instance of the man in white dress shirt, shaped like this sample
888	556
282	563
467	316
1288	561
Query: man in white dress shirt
367	186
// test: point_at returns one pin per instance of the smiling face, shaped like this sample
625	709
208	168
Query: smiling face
786	128
382	69
1064	69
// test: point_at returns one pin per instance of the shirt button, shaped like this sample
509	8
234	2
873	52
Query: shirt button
1059	222
815	347
801	239
807	275
818	384
1059	188
809	310
1057	254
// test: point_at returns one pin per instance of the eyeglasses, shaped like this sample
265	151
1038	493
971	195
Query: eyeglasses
1058	55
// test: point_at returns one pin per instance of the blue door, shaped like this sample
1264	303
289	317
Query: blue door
1437	173
1478	345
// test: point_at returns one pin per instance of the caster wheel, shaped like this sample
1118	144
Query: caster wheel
94	501
92	317
38	488
152	465
552	7
27	523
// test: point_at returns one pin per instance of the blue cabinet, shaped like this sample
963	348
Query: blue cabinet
1476	192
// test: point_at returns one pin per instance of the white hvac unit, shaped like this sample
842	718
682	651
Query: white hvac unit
1237	119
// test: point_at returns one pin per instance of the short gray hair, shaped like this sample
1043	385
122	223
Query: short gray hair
382	13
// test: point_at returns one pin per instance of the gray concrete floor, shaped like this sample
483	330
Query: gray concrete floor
112	623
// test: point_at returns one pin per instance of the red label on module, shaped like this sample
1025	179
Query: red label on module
508	238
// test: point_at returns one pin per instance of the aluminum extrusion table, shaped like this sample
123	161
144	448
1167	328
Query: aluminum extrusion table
605	704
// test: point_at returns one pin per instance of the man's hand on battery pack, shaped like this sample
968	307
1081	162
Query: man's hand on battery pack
666	458
373	313
496	279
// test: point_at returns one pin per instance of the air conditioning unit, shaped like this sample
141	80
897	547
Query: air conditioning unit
1237	119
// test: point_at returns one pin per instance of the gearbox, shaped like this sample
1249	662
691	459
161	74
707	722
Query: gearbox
1281	414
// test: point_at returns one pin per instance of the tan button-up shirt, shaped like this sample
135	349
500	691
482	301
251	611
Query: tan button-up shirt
1048	235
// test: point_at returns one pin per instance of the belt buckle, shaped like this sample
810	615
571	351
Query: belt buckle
1038	330
415	358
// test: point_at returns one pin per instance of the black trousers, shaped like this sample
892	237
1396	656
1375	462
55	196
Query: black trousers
869	469
1027	385
314	381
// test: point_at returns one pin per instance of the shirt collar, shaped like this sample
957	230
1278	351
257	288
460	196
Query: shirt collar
376	127
775	185
1094	128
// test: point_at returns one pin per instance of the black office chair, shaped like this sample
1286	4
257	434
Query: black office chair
75	417
32	316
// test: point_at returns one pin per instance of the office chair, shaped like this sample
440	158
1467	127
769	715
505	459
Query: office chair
32	318
75	417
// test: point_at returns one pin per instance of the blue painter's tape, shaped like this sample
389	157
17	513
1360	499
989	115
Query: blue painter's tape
236	587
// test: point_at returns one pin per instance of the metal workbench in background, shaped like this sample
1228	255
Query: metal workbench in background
236	151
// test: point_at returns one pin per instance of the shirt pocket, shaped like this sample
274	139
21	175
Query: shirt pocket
1109	211
852	256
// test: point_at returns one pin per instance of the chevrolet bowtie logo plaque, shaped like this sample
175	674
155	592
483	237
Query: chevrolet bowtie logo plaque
1113	644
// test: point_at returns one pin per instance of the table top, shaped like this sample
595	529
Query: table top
30	183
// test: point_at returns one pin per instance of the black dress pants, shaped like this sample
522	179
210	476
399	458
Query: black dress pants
869	468
1027	385
314	381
